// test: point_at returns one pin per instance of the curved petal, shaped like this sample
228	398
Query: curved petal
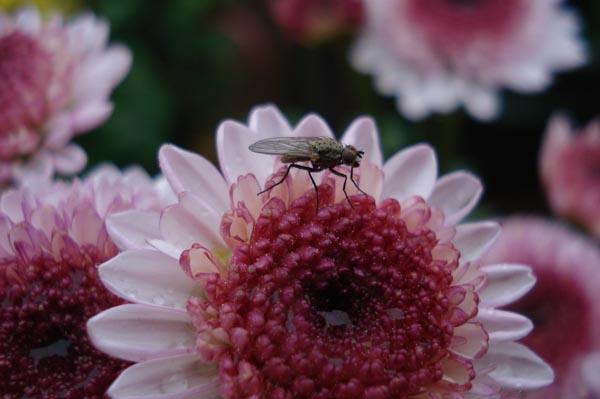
139	332
362	134
187	171
233	140
470	340
410	172
178	377
506	284
189	222
268	121
312	125
133	228
474	239
147	276
69	160
517	367
503	326
456	194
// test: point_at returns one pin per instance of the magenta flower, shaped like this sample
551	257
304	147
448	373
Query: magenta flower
570	167
564	304
310	21
248	296
52	238
436	55
55	79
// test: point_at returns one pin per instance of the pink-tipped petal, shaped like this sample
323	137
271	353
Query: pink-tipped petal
177	377
504	326
312	126
506	284
410	172
456	194
233	140
362	134
517	367
471	340
138	332
187	171
268	121
132	229
474	239
148	277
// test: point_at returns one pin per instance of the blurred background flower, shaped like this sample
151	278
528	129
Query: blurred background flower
55	81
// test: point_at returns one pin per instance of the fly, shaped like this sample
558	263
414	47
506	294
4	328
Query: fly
322	153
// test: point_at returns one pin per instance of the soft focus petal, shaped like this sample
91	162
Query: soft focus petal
474	239
506	284
362	134
139	332
179	377
148	277
132	229
410	172
456	194
503	326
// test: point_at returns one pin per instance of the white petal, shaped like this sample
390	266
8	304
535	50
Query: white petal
139	332
410	172
517	367
189	222
187	171
233	140
133	228
456	194
312	125
503	326
362	134
474	239
148	276
268	121
506	284
481	102
178	377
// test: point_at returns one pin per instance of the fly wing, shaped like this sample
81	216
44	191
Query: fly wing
291	146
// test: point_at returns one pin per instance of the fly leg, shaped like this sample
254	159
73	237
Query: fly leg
352	180
309	169
340	174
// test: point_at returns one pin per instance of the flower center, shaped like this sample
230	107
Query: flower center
348	303
44	349
29	91
453	25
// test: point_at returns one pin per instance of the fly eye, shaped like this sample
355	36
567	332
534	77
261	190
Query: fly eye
349	156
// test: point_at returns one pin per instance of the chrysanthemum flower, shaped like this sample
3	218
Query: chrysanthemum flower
570	171
52	238
55	79
564	304
436	55
248	296
310	21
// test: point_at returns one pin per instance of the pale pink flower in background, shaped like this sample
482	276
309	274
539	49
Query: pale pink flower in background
564	304
52	238
312	21
55	80
570	171
246	296
437	55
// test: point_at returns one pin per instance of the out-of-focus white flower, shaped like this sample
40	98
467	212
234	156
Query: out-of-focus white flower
570	171
246	296
435	55
55	80
564	304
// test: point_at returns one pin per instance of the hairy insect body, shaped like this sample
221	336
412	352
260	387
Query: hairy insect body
322	152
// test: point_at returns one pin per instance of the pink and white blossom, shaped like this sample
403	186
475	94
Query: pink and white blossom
564	304
55	80
438	55
570	171
246	296
52	238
